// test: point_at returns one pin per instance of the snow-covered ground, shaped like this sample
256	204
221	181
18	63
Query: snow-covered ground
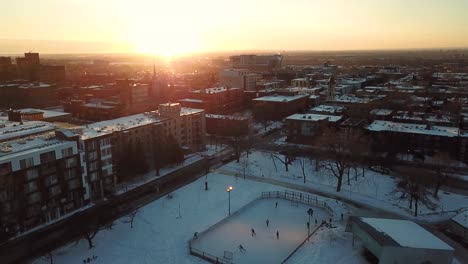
371	188
329	246
159	235
290	221
271	125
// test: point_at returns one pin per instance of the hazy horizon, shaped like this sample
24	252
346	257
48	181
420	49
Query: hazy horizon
180	27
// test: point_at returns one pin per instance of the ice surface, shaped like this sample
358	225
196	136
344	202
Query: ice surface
289	220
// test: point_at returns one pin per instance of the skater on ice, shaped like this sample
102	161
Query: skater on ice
253	232
267	222
276	205
241	248
277	234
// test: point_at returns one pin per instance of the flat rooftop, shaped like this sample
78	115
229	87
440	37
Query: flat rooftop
214	90
422	129
10	130
118	124
46	113
314	117
30	144
280	98
328	108
403	233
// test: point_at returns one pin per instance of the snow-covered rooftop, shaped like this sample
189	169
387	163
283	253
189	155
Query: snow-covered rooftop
379	125
230	117
279	98
328	108
189	100
46	113
314	117
461	219
10	130
33	143
118	124
381	112
352	99
213	90
403	233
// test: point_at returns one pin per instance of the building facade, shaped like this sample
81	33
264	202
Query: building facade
39	175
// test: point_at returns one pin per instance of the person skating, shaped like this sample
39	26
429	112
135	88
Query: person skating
267	222
276	205
241	248
253	232
277	234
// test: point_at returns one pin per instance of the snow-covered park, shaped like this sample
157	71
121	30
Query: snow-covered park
288	219
371	188
162	229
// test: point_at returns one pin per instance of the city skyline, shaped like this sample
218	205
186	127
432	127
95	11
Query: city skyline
180	27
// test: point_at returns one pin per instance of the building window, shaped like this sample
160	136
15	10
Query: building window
32	174
50	180
26	163
67	152
55	190
30	187
93	166
34	198
105	141
5	168
47	157
70	162
69	174
106	162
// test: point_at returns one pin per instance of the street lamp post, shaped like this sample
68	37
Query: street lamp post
229	189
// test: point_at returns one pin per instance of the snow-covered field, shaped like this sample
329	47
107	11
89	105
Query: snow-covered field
264	247
372	188
159	235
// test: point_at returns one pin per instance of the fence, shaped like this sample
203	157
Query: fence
300	198
287	195
209	257
300	245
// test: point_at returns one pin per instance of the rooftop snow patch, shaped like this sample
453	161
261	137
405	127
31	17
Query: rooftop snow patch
279	98
314	117
461	219
405	233
379	125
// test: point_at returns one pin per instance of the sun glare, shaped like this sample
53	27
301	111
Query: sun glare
171	33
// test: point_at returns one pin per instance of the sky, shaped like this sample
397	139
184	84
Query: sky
171	27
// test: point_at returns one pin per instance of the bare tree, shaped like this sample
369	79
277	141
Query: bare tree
414	188
90	231
343	150
287	159
49	256
131	217
302	162
441	177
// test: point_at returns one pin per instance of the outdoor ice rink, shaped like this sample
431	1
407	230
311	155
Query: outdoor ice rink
290	220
